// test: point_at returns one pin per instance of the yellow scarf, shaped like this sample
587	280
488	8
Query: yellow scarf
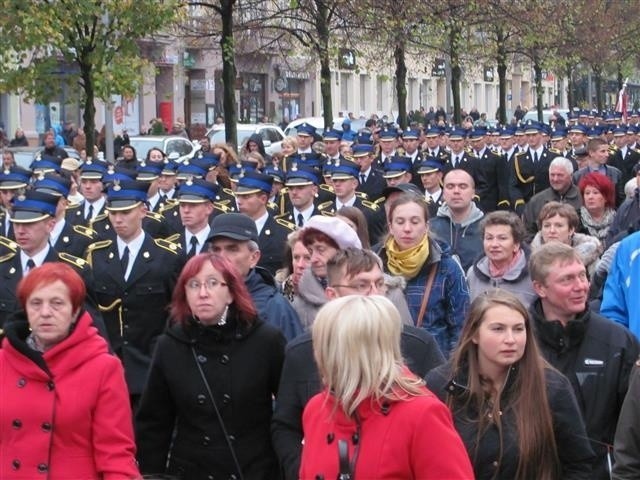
406	262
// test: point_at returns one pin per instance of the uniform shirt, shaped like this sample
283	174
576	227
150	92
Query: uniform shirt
202	236
348	203
306	214
57	230
38	258
134	248
261	221
97	207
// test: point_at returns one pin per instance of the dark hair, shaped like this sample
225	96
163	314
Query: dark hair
135	154
164	155
242	302
309	236
356	216
603	184
355	260
528	394
564	210
509	219
49	273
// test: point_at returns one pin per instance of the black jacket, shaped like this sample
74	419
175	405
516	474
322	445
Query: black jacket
242	366
596	355
300	381
574	451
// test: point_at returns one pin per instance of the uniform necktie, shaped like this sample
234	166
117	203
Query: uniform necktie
30	265
535	157
89	212
363	178
194	246
455	164
300	220
124	261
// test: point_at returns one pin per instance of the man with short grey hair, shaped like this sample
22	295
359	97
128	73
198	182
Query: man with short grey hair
235	237
562	190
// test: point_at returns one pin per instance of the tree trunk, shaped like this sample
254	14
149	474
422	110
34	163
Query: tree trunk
322	27
501	60
228	72
570	94
537	68
619	77
597	73
89	113
401	81
456	72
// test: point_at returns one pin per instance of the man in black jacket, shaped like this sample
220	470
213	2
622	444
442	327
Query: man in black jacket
594	353
349	272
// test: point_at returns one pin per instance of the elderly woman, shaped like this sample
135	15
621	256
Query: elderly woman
375	419
504	264
65	409
437	291
298	259
558	222
598	205
206	408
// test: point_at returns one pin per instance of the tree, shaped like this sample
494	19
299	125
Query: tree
95	41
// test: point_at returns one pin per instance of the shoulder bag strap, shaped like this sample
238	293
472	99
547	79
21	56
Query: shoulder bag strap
427	292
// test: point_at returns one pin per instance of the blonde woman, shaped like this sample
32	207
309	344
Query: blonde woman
375	419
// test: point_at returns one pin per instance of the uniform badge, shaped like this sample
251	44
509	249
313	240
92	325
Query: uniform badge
12	270
65	239
110	255
145	254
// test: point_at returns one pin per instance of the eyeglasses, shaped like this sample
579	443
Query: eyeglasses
209	284
364	288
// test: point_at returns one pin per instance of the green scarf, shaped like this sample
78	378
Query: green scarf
406	262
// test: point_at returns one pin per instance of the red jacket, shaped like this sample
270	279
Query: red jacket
413	439
64	414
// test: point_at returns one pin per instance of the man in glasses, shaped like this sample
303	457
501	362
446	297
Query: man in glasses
351	271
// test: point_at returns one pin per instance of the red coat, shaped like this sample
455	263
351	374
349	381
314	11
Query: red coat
72	422
413	439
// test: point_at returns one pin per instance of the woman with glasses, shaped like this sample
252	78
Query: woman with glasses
206	408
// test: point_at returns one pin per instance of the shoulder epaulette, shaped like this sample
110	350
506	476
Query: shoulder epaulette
6	257
287	225
362	195
154	216
380	201
327	188
228	191
167	207
325	205
222	207
496	152
283	215
85	231
328	213
72	206
555	150
371	205
637	150
175	238
99	218
73	260
99	245
272	206
166	245
520	153
8	243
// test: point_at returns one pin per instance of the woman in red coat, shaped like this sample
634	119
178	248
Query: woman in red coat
375	419
64	412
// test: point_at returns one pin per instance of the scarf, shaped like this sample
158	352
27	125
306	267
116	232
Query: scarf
498	272
597	228
406	262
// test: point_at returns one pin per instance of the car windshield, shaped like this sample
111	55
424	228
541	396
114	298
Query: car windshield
143	145
218	136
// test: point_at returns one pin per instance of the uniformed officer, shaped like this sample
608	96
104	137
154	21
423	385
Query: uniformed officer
344	176
398	169
388	141
302	190
306	137
196	206
430	171
135	276
278	200
65	237
370	179
12	181
252	194
34	219
331	139
492	180
91	188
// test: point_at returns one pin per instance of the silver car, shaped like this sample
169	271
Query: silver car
271	134
169	144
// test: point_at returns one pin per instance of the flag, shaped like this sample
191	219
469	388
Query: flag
623	100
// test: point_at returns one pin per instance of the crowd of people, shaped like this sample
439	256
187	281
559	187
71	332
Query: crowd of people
438	302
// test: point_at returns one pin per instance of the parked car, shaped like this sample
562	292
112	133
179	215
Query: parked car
272	135
168	144
546	114
25	155
318	124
